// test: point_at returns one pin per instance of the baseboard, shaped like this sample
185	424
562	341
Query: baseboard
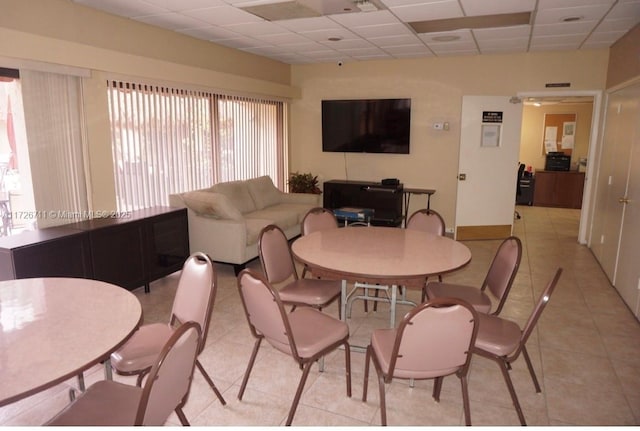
465	233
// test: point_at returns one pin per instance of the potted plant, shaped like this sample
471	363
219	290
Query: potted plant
303	183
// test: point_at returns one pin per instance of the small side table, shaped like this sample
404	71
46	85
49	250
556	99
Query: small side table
407	192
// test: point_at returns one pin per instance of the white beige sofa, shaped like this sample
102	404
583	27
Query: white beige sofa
226	219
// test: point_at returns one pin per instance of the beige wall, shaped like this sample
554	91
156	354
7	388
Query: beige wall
531	144
436	87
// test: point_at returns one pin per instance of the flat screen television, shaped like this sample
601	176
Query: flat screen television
366	126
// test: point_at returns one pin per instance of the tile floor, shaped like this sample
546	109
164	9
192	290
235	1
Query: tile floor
584	350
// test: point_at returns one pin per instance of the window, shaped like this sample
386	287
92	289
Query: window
168	140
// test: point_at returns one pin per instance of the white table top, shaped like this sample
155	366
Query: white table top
53	328
380	254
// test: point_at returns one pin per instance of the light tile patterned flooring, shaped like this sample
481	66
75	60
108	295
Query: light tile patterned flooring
585	352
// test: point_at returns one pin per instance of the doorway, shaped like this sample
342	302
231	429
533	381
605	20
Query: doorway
532	153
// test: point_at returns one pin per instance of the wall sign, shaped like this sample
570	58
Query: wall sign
492	116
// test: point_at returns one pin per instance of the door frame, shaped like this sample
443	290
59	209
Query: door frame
593	156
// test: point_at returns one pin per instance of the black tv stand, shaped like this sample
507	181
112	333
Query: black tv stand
385	200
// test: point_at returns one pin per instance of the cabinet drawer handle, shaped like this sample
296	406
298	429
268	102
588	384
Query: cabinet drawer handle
623	200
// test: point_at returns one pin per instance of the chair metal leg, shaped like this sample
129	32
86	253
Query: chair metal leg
531	370
512	391
365	384
383	402
256	347
465	400
347	366
296	399
211	384
182	417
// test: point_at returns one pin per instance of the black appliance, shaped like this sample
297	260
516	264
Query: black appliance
557	161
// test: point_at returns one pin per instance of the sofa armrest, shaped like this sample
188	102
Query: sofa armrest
300	198
223	240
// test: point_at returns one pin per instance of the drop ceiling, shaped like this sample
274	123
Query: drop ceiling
315	31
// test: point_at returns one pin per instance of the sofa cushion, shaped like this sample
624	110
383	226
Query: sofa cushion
211	204
238	194
263	192
299	209
282	218
254	227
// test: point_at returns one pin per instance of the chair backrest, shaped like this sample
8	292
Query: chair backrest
426	221
265	312
434	339
275	255
318	219
503	270
543	300
195	294
169	380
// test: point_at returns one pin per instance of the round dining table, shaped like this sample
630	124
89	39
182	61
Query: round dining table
53	329
379	255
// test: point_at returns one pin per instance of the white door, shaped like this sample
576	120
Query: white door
627	278
488	167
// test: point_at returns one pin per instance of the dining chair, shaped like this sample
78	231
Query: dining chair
193	301
433	340
109	403
305	334
279	267
427	220
317	219
502	341
498	281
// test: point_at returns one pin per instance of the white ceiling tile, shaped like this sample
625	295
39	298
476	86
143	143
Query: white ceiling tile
172	21
285	39
555	15
364	18
496	7
322	35
178	6
518	31
309	24
407	49
375	31
580	27
223	15
255	29
385	32
427	11
617	24
408	39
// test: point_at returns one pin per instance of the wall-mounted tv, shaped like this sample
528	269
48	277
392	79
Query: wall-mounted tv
366	126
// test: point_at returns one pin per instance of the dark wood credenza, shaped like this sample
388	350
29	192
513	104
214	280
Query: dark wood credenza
558	189
130	251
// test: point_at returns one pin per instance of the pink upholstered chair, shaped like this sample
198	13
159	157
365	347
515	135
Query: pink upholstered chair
305	334
427	220
109	403
194	300
278	265
498	280
315	220
502	341
433	340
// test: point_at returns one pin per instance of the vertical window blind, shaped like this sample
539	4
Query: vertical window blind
54	122
168	140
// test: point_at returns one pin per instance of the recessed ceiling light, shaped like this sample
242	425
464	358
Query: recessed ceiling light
573	18
446	38
335	39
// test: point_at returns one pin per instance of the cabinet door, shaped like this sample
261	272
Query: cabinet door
117	255
167	243
544	191
63	257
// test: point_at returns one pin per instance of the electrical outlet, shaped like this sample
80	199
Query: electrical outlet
449	230
438	126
